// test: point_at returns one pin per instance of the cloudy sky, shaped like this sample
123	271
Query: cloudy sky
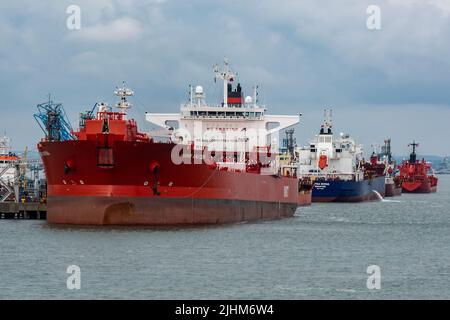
304	54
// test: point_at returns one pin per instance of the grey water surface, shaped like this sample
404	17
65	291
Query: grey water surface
321	253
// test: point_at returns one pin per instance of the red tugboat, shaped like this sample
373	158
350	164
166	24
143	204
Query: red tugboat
109	173
417	176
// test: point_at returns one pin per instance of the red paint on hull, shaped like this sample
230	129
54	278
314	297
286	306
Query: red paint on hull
95	210
80	191
419	187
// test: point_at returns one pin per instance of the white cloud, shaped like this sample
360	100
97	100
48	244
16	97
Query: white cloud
120	30
304	54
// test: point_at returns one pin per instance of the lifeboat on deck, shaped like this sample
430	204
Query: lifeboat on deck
323	162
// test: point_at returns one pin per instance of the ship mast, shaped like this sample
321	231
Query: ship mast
4	145
413	157
255	96
327	122
227	76
123	105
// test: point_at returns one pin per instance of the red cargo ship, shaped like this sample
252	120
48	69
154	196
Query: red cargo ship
109	173
417	176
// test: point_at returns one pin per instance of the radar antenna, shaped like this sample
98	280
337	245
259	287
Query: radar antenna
123	92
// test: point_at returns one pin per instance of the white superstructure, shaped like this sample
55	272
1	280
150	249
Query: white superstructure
236	123
331	157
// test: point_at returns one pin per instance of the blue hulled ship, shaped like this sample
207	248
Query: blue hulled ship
338	168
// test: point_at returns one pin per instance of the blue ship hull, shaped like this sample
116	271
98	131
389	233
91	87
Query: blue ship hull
348	191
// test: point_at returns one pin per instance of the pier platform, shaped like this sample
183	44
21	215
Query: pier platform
27	210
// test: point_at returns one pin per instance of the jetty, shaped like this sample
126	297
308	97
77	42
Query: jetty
27	210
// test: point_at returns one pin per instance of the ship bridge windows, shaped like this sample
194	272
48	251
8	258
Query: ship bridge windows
224	114
325	139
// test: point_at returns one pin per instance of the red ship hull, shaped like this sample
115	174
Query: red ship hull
80	191
424	186
160	211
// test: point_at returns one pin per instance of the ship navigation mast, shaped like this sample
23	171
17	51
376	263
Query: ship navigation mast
413	156
5	146
226	75
123	105
327	122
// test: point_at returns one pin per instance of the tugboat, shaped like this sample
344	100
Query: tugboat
417	176
110	173
338	169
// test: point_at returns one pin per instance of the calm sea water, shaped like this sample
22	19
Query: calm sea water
321	253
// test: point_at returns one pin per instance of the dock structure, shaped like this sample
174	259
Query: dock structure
27	210
23	188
